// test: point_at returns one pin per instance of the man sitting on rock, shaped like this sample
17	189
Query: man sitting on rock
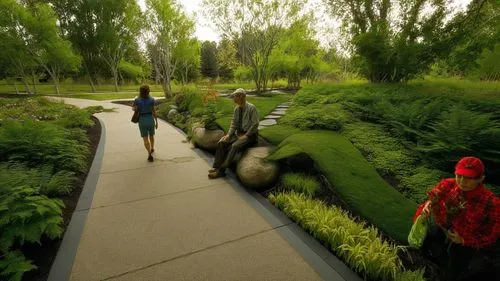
463	239
243	133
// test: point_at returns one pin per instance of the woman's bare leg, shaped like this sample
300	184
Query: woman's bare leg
152	142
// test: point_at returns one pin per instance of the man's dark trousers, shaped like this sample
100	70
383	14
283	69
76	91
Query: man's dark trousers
226	151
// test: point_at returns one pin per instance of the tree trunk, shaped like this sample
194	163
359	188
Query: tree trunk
34	83
91	83
26	85
15	86
56	85
115	79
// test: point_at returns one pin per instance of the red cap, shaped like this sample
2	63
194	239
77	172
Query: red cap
470	167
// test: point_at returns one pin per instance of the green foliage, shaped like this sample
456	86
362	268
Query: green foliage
25	216
488	66
130	70
42	179
209	59
243	73
76	119
36	143
226	59
13	265
395	41
359	246
417	182
277	133
408	275
316	116
461	131
300	183
354	180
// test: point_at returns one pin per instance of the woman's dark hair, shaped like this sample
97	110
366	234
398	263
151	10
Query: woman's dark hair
144	91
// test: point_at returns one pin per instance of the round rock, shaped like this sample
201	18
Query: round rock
256	172
171	113
206	139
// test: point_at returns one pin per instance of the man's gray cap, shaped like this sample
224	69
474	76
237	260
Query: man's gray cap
238	92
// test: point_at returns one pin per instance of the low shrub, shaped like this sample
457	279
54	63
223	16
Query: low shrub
387	155
41	179
41	143
76	119
316	116
418	182
300	183
359	246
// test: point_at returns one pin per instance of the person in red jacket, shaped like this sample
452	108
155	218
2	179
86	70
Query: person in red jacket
464	237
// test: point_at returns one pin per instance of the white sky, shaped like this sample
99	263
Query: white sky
325	28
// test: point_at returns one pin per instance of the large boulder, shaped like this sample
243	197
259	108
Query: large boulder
256	172
171	113
206	139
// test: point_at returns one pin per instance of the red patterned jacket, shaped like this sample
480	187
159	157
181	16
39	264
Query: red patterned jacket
474	215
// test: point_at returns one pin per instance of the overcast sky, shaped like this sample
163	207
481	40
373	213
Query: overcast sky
205	32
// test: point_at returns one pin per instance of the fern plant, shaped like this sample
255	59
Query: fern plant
26	216
36	143
463	132
13	265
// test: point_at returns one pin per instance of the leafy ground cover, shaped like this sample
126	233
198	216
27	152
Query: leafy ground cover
45	151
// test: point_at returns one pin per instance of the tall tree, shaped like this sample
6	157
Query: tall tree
18	61
297	54
397	40
187	56
168	27
34	31
121	25
256	28
209	59
226	59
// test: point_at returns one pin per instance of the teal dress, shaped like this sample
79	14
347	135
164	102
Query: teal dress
146	121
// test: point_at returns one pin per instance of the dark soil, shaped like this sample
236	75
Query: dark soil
44	255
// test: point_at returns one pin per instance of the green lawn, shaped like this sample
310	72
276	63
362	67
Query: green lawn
353	178
265	105
7	87
107	96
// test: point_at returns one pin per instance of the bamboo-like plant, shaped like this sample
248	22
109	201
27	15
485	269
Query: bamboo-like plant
361	247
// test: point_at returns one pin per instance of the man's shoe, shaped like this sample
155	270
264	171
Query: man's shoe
215	175
213	170
150	158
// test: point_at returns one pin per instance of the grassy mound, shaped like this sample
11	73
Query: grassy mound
354	179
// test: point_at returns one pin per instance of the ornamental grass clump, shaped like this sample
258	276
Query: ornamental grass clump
300	183
361	247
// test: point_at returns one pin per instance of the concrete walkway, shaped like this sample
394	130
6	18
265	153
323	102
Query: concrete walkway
167	221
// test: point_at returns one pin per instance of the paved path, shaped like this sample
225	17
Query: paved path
167	221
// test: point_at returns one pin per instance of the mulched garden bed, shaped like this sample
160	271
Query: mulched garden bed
44	255
412	260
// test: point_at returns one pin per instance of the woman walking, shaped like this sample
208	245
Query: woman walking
145	104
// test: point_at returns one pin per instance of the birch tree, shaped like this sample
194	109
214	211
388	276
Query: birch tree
168	27
255	27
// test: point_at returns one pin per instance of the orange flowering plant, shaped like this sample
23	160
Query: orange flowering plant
210	109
